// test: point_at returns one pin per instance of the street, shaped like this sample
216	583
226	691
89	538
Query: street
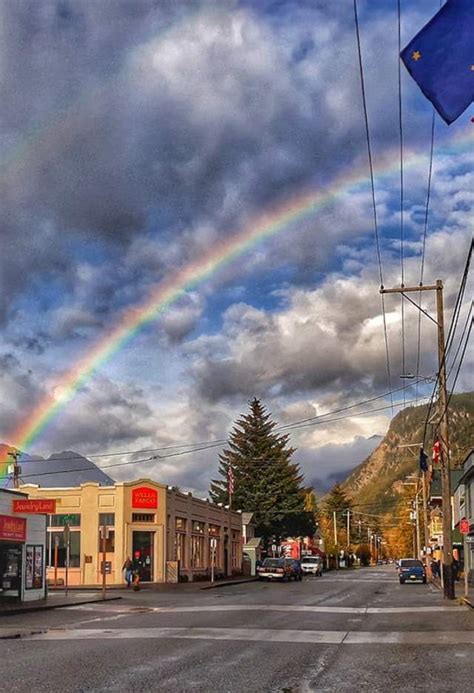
346	631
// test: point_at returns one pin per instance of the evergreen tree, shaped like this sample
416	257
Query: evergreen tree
337	501
266	482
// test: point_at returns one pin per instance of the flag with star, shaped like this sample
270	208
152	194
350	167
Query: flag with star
441	59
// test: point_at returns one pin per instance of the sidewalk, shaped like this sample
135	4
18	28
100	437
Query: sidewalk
78	595
459	591
53	602
159	586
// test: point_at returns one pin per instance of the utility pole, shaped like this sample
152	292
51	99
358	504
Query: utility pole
16	468
447	567
348	527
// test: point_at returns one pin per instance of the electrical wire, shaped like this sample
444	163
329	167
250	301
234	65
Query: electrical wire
188	452
216	442
451	334
372	183
423	246
400	129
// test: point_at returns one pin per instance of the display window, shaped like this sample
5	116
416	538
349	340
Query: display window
34	569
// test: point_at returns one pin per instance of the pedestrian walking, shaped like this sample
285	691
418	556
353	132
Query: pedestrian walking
128	571
455	570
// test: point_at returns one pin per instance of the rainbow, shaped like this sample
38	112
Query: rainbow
286	215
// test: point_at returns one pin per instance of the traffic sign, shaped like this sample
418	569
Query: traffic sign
464	526
106	567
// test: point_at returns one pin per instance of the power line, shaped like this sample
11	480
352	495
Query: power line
216	442
451	333
468	318
351	406
423	247
188	452
374	205
457	373
400	129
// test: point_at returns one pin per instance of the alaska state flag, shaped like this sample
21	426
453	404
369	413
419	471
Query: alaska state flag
441	59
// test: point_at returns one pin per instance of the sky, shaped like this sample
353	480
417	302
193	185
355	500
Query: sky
137	135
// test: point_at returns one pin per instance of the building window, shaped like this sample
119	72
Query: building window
107	519
197	552
57	538
73	520
143	517
214	530
180	550
180	524
198	527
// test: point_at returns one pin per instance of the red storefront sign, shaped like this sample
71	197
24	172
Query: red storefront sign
12	527
36	505
144	497
464	526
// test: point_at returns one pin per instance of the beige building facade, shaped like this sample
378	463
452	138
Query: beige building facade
167	534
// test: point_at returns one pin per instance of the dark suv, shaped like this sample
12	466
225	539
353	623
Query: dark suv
412	570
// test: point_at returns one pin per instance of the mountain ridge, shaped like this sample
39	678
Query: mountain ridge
375	480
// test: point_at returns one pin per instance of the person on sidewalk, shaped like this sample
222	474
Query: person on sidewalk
128	571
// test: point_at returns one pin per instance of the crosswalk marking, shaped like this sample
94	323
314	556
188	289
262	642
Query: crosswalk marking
276	607
329	637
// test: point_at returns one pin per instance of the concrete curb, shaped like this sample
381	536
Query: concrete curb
17	635
228	584
49	607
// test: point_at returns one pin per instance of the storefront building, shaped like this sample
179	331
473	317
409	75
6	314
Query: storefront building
22	550
165	533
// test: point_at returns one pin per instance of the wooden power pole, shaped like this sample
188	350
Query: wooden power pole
448	581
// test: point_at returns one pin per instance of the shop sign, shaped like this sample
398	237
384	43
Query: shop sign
144	497
12	527
35	505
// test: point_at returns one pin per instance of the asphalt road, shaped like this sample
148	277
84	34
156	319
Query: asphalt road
347	631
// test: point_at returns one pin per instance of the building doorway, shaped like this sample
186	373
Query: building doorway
10	570
142	545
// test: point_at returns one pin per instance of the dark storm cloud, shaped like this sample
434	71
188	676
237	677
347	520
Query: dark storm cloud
121	117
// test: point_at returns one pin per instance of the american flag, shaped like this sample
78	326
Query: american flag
230	481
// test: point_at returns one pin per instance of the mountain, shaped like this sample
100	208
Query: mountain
60	469
376	479
334	462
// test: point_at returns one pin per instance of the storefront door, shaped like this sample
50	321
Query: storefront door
143	554
10	570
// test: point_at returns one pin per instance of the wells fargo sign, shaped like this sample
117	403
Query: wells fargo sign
12	527
144	497
35	505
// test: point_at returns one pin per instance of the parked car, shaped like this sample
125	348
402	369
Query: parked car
296	571
412	570
275	569
311	565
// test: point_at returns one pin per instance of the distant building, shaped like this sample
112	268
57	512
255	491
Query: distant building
164	532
